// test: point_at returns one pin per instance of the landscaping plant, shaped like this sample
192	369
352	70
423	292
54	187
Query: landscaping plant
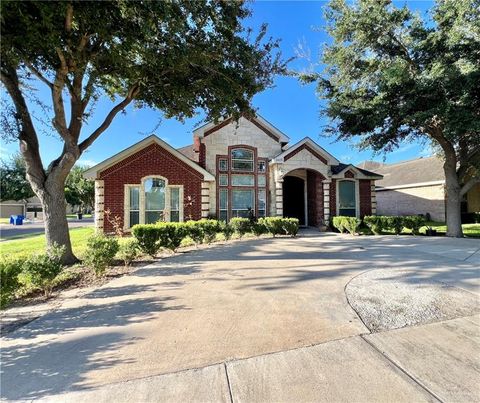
9	284
171	234
100	252
39	270
195	231
148	238
338	223
227	230
414	223
210	229
291	226
240	225
129	251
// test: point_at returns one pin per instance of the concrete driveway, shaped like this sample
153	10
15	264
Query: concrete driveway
253	321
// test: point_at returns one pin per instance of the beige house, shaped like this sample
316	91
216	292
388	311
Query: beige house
27	208
416	187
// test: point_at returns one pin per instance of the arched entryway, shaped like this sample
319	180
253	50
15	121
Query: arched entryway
303	196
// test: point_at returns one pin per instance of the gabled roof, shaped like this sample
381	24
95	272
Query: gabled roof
189	152
258	120
338	170
418	171
93	172
307	142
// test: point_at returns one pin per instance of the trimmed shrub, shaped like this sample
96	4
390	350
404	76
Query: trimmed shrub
195	231
414	223
395	223
240	225
258	228
210	229
9	284
351	224
129	251
338	223
274	225
148	237
39	270
377	224
291	226
100	252
171	234
227	230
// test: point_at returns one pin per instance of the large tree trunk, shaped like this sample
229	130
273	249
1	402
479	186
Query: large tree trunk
453	198
52	197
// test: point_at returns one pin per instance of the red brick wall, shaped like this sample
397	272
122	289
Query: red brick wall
333	198
365	197
349	174
315	198
152	160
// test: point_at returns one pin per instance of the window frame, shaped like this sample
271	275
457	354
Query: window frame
356	192
233	160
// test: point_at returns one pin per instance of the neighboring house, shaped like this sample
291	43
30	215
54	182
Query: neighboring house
416	187
30	208
233	169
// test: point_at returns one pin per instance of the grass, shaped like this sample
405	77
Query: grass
37	243
4	220
469	230
74	216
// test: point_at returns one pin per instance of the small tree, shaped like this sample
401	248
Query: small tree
13	182
79	191
391	77
176	56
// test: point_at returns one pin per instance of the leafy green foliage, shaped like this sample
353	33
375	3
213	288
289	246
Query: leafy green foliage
241	225
291	226
129	251
9	284
349	224
414	223
148	238
258	228
210	229
280	226
376	223
171	234
100	252
79	191
396	223
13	182
195	231
39	270
227	230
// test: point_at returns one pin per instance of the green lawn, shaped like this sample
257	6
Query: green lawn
74	216
4	220
36	243
469	230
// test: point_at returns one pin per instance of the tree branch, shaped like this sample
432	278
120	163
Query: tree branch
132	93
468	185
59	121
29	145
39	75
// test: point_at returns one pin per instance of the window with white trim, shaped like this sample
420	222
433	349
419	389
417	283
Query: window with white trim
133	205
347	203
155	190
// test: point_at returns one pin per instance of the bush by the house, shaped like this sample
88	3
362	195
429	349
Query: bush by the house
100	252
148	237
377	224
195	231
414	223
171	234
345	223
227	230
9	284
291	226
241	225
129	251
258	228
39	270
395	223
210	229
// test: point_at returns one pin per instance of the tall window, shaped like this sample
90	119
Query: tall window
242	183
154	200
347	205
175	204
242	160
134	204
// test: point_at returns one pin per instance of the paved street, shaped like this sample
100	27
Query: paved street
8	231
265	320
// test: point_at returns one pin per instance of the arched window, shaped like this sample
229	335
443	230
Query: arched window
347	203
242	159
154	200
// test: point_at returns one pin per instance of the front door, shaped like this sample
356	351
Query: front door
294	198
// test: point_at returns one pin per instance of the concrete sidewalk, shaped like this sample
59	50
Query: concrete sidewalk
411	364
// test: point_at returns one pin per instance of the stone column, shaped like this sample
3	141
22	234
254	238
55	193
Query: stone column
373	195
326	202
99	205
279	197
205	199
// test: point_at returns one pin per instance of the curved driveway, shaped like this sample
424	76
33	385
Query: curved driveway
210	306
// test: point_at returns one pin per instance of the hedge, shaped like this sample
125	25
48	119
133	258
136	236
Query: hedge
350	224
378	224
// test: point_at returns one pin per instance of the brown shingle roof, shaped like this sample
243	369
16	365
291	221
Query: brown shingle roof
420	170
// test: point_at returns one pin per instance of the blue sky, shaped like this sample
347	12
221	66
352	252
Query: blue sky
289	106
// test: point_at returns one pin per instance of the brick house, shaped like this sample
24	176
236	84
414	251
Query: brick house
232	169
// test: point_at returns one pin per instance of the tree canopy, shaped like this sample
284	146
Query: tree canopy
176	56
391	77
13	182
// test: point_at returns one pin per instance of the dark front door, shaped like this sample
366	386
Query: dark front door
294	198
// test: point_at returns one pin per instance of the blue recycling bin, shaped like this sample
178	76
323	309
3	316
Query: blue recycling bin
16	219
